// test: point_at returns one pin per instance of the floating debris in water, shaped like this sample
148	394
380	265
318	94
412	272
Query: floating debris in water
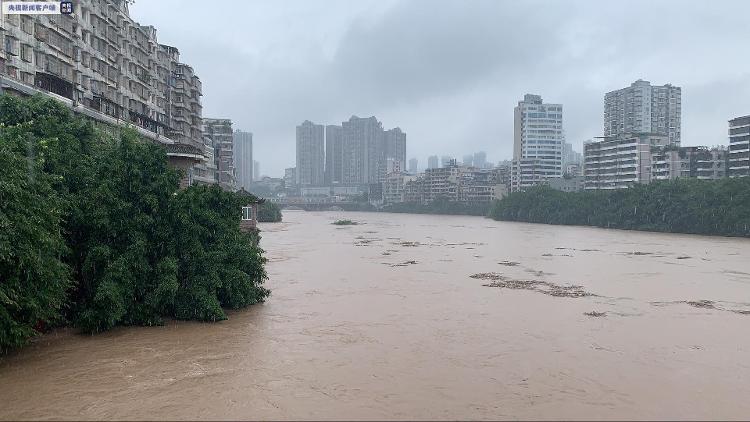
487	276
509	263
708	304
407	244
345	223
595	314
362	241
403	264
545	287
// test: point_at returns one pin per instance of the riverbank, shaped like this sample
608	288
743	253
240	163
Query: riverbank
429	317
439	207
707	207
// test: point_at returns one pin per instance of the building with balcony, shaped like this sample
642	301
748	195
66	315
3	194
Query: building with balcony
712	163
394	187
218	134
739	147
567	184
644	108
537	142
621	161
102	64
452	183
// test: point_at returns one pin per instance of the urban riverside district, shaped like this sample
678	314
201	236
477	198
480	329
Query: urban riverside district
374	210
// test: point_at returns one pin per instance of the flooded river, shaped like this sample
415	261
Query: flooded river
383	320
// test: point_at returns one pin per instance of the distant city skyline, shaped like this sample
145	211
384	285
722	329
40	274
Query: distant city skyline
449	87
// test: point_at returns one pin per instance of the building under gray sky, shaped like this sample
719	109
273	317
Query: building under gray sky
310	154
644	108
243	158
538	140
334	154
449	71
413	165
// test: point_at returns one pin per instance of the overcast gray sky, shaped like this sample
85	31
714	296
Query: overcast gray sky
450	72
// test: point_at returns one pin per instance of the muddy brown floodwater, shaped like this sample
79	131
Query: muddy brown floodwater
429	317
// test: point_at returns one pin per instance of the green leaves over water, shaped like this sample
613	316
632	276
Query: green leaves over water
710	207
94	233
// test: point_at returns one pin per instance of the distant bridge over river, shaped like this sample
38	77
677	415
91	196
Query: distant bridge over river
314	204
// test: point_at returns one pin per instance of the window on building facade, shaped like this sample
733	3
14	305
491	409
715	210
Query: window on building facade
27	25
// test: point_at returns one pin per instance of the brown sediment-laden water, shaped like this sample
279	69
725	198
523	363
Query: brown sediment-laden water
429	317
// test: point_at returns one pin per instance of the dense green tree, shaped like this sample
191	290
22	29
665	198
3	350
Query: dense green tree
94	231
269	212
218	265
122	243
33	277
713	207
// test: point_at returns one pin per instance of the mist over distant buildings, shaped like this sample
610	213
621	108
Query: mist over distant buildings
448	71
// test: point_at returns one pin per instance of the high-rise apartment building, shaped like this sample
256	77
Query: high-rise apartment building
102	64
570	156
644	108
334	154
413	165
256	170
218	132
368	152
432	162
446	160
538	139
739	147
394	147
480	159
243	158
290	177
468	160
310	154
361	151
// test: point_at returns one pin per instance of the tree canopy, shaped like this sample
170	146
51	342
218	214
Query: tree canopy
94	232
710	207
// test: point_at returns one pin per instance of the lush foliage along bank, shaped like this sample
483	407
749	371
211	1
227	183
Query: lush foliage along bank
269	212
712	207
439	206
94	233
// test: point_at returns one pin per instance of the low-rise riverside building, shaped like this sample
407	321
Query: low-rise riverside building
620	161
453	183
712	164
669	163
699	162
566	184
394	187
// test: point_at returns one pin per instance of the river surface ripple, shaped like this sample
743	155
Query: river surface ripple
383	320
